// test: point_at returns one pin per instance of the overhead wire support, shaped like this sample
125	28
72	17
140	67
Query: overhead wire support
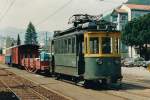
55	12
7	10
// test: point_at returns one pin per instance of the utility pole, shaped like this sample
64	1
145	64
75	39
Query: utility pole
46	41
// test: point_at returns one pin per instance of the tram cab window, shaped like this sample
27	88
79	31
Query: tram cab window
106	45
94	45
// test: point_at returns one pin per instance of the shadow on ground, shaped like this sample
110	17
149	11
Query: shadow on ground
7	96
123	86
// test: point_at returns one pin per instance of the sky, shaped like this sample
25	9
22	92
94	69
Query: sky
50	15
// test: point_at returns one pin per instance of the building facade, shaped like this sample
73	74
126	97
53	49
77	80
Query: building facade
122	15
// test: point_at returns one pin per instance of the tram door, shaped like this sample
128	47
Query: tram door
80	55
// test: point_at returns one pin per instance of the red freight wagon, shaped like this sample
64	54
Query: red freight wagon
28	57
24	51
42	65
15	56
35	64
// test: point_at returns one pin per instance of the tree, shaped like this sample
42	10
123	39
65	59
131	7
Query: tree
10	42
31	35
144	35
137	33
128	34
18	40
1	50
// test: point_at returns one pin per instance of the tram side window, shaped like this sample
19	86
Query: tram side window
55	46
73	45
69	45
106	45
65	46
60	46
94	45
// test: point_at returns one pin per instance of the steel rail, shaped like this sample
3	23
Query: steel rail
29	88
9	89
32	82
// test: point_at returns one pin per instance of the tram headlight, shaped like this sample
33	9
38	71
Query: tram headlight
99	61
117	62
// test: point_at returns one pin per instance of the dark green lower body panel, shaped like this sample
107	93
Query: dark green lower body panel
66	64
72	71
102	68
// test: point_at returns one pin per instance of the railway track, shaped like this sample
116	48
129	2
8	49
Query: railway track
6	93
133	89
24	89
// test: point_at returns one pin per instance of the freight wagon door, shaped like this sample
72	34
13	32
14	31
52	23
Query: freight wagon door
15	55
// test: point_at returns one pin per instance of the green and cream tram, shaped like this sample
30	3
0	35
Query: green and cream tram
88	54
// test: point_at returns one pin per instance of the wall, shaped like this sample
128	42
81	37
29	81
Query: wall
2	58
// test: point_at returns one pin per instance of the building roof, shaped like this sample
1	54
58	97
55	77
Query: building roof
138	7
120	10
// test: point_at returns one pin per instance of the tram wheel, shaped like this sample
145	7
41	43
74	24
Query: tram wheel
75	80
58	76
104	82
87	84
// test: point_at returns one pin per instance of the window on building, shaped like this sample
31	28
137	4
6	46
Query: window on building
114	18
123	17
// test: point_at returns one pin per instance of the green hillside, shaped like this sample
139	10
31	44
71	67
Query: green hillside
145	2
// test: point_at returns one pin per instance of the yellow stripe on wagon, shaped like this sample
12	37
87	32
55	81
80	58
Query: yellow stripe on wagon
102	55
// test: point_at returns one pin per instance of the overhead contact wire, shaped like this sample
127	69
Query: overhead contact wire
55	12
7	10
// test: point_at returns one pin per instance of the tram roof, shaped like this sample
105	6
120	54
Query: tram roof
79	31
23	45
102	26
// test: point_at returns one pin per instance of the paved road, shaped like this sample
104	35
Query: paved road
132	90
